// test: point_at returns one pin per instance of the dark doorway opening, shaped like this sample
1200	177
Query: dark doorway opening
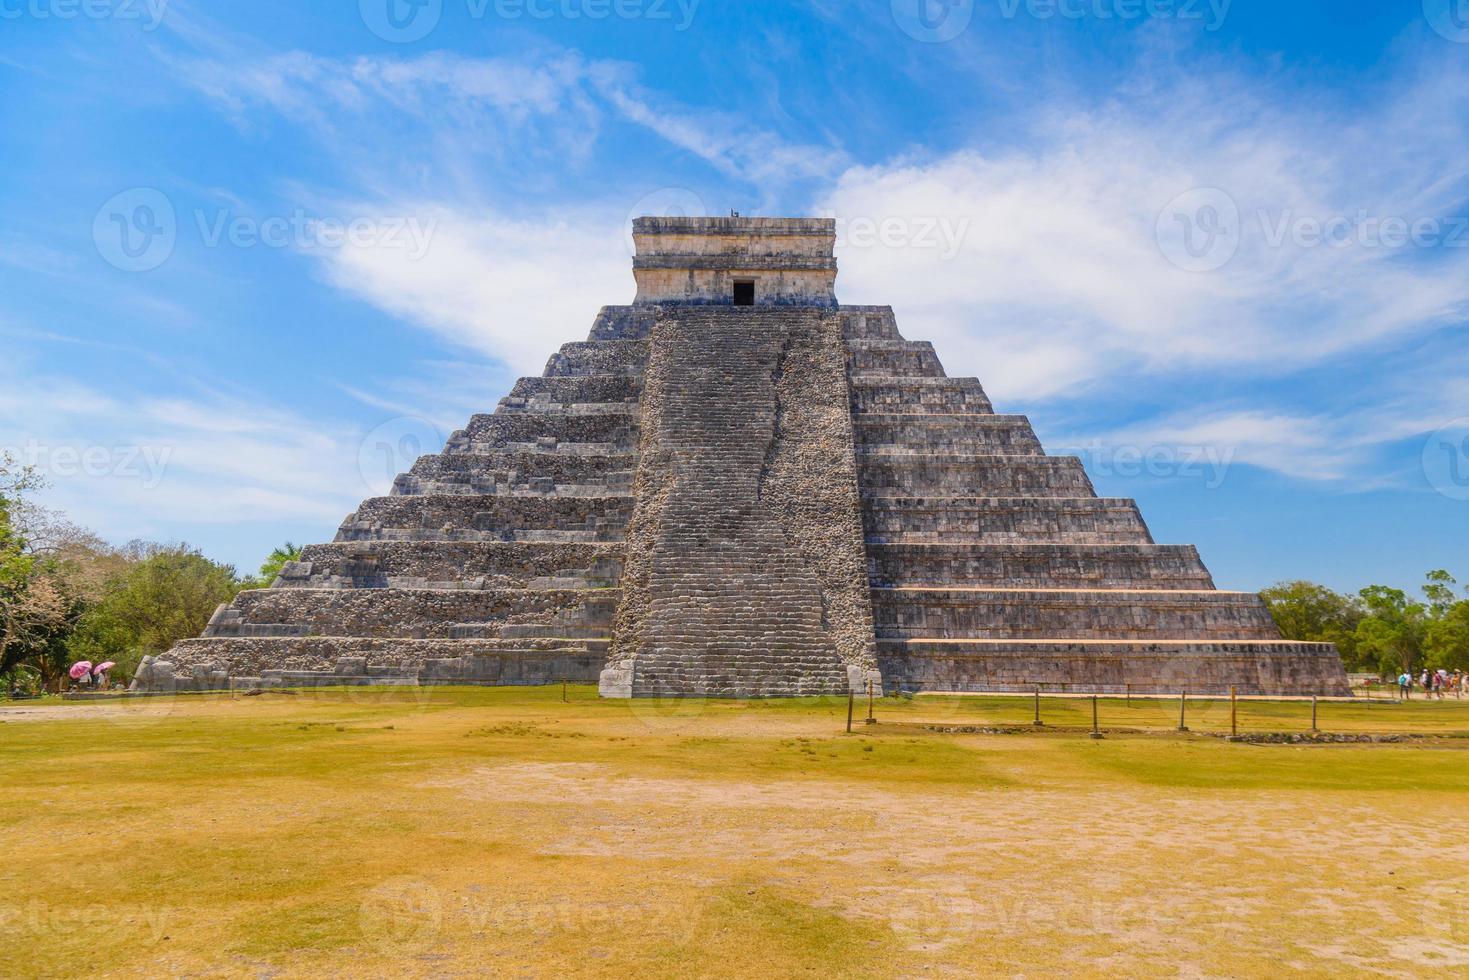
744	293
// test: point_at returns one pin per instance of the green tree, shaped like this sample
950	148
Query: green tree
33	607
271	569
1446	640
1315	614
1390	636
165	594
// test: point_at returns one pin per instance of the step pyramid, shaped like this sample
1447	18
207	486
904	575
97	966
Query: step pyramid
784	498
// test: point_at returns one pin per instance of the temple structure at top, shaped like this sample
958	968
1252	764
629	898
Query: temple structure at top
737	487
735	261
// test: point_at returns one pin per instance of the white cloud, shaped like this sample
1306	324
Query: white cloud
513	290
1061	284
132	466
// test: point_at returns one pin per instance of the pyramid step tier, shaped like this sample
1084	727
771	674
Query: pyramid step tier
416	613
616	428
894	359
969	474
1037	565
337	661
455	565
906	435
1075	614
939	519
627	358
489	518
581	389
1074	666
919	396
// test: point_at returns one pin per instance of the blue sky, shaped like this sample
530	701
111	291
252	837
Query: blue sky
253	257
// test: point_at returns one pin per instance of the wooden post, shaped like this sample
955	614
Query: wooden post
1096	719
1183	712
1233	711
564	698
1038	722
1129	694
850	700
1313	714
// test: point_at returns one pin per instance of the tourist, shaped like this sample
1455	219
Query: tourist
1405	683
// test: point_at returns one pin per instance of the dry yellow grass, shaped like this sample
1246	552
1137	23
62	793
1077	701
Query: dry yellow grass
458	832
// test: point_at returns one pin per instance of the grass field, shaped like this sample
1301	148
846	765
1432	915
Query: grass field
457	832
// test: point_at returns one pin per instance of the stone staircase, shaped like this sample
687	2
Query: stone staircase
747	526
995	567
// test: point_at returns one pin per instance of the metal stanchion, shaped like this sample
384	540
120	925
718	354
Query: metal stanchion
1096	719
1314	728
1233	711
851	700
871	716
1038	722
1183	712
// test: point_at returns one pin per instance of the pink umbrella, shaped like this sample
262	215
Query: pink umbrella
103	668
80	669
